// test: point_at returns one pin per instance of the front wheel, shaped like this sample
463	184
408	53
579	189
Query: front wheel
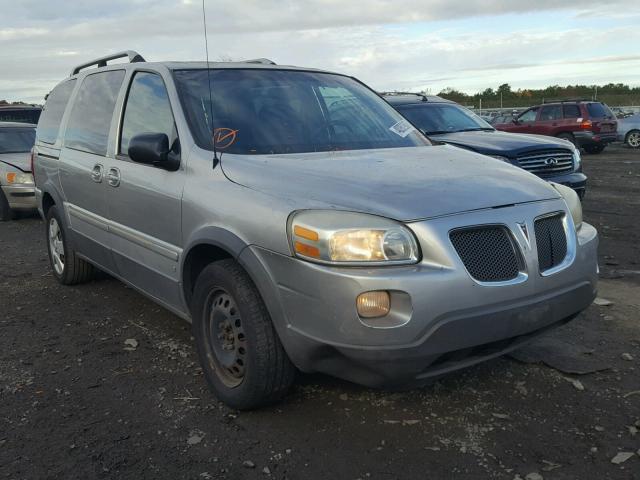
67	267
594	149
239	349
633	139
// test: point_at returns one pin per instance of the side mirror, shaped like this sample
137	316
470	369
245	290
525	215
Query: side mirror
516	121
153	149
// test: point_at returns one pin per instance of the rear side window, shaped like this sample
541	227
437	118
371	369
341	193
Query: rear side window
571	111
551	112
92	111
597	110
148	110
49	124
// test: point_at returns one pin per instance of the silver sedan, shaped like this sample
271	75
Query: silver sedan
629	130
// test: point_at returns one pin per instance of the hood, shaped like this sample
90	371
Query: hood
405	184
501	143
21	161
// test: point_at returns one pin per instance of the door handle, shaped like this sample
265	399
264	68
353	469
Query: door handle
113	177
96	173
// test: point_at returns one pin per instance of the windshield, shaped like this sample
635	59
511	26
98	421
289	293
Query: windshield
260	111
17	140
437	118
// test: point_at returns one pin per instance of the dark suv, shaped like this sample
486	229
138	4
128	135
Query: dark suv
587	124
445	121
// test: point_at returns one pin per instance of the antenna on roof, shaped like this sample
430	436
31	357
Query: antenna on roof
206	47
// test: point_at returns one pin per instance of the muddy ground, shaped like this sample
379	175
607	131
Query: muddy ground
74	403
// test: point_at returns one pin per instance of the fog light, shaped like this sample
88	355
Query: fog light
373	304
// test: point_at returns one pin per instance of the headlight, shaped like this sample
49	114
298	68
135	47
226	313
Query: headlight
19	178
573	202
577	161
499	157
347	238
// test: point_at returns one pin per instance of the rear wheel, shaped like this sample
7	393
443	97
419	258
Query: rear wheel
5	211
65	264
567	136
239	349
594	149
633	139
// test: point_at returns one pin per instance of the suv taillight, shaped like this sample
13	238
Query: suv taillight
586	125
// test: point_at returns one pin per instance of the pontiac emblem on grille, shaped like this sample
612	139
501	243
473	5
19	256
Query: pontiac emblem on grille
525	232
551	161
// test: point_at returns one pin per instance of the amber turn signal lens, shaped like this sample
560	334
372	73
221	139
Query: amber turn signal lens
305	233
11	177
373	304
307	250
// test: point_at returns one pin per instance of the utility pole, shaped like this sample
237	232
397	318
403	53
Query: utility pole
501	100
480	105
595	94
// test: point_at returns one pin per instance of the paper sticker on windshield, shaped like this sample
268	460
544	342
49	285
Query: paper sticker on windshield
402	128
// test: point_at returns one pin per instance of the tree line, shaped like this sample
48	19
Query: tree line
613	94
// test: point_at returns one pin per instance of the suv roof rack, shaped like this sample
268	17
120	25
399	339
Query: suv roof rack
421	95
133	56
263	61
567	100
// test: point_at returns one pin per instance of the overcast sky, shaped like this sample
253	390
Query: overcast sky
403	44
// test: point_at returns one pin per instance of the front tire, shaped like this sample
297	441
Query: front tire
65	264
240	352
633	139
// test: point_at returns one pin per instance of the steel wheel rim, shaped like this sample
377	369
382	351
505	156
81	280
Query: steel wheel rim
226	338
56	246
634	139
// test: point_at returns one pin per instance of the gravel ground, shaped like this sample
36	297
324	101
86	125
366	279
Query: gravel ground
79	401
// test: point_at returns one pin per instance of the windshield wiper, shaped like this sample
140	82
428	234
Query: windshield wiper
477	129
437	132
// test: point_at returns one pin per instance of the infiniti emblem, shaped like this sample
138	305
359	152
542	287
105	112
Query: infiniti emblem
551	161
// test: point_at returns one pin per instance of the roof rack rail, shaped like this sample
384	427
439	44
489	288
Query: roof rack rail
263	61
422	95
566	100
133	56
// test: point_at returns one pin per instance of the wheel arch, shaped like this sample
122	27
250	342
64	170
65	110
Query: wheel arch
208	245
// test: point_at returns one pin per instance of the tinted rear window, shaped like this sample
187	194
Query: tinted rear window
19	115
49	124
598	110
16	140
90	121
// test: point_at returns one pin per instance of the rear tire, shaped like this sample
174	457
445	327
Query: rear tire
633	139
240	352
65	264
594	149
6	213
568	136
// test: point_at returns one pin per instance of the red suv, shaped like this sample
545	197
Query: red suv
587	124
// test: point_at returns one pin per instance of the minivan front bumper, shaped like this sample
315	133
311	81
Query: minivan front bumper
450	320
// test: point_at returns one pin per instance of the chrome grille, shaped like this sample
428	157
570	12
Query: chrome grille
487	252
551	240
547	162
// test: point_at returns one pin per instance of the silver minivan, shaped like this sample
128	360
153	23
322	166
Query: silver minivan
300	223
